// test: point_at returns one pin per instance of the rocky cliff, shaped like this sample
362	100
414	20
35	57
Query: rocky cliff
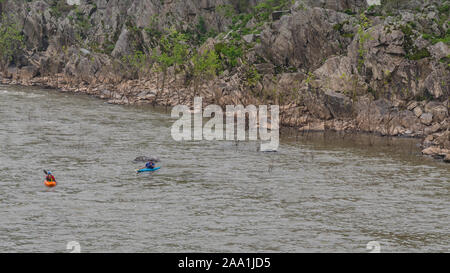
330	64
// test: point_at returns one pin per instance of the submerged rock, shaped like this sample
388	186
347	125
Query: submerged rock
146	159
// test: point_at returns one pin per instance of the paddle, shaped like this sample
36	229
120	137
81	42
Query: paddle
137	170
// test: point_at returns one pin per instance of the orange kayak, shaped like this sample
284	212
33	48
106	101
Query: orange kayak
50	184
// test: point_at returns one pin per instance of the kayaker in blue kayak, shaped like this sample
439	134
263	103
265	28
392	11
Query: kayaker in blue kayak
150	165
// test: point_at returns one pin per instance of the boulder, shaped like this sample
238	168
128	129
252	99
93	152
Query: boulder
28	72
432	129
438	110
339	105
433	150
209	45
418	111
439	50
447	158
249	38
316	106
314	127
122	46
408	120
426	118
84	51
411	105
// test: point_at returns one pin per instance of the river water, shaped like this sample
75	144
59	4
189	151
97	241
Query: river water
320	193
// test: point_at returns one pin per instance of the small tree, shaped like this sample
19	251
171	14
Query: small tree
163	62
138	62
173	51
180	51
11	42
205	67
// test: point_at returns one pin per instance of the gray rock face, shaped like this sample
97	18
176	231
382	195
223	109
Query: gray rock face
303	39
35	31
440	50
122	46
384	68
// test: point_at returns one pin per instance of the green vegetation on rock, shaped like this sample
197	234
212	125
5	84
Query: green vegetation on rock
59	8
205	66
11	41
412	52
364	36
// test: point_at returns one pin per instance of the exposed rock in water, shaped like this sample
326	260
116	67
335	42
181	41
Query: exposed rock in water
146	159
447	158
437	152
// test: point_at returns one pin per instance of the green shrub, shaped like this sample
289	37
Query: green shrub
252	76
418	54
59	8
205	67
349	12
11	41
229	53
412	52
264	9
445	8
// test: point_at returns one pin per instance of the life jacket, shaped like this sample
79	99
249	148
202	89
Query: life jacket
150	165
50	178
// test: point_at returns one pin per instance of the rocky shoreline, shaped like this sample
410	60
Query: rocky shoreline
427	121
330	65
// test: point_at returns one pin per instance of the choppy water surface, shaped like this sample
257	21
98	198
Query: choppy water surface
320	193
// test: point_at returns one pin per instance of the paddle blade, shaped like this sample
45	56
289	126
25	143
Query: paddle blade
45	172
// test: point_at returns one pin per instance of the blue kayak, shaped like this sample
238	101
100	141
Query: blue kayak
148	170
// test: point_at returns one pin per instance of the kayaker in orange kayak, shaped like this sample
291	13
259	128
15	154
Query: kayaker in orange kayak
50	180
50	177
